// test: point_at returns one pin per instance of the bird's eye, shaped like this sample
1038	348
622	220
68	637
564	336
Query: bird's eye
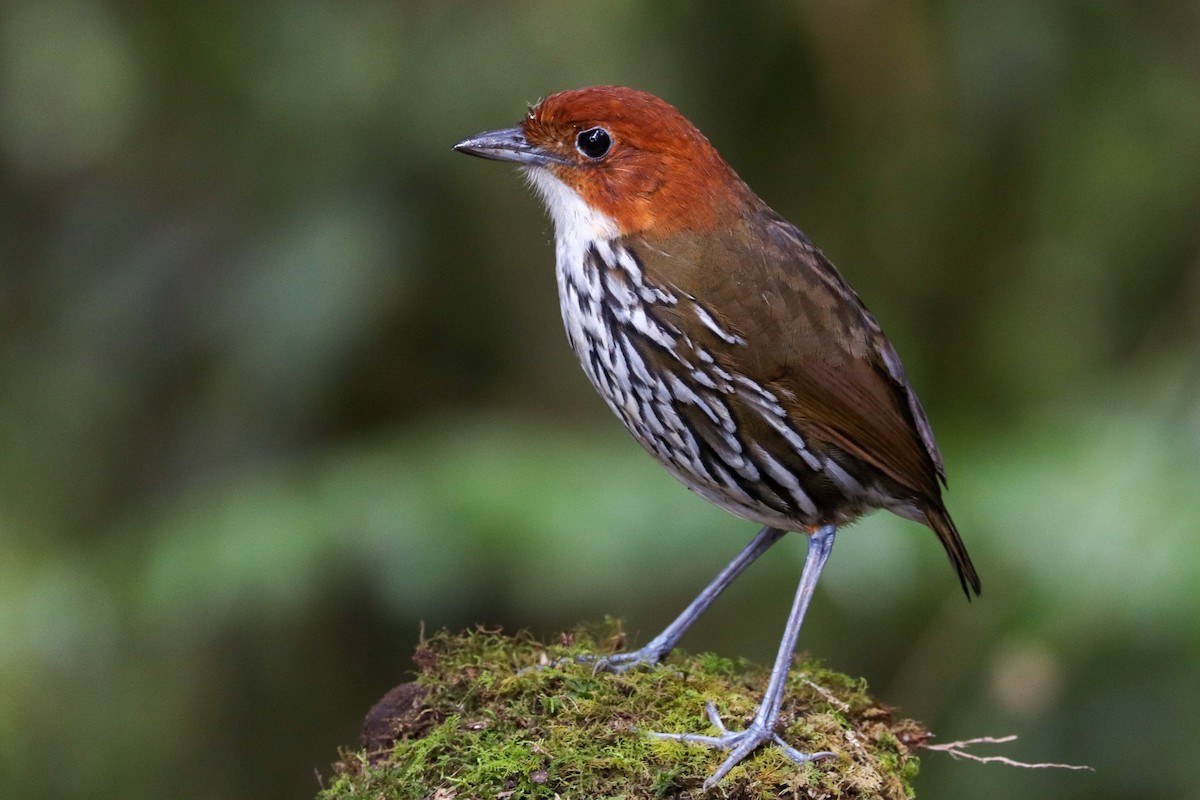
594	142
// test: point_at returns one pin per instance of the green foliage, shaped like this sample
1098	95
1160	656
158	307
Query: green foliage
513	717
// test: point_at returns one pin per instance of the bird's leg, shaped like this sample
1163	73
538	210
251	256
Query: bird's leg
762	727
658	647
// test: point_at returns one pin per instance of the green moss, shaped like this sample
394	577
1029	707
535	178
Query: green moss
495	716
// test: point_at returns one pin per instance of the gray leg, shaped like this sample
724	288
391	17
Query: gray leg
658	647
762	728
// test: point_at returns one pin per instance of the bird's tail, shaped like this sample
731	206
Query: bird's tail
943	526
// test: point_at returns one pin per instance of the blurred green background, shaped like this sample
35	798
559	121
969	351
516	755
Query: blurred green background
282	377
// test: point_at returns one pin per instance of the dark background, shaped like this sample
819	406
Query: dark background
282	377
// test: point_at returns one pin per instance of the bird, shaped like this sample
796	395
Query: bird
731	349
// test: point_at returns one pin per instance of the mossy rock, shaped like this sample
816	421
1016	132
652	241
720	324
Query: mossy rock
494	717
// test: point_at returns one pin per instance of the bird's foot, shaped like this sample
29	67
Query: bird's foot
740	743
617	663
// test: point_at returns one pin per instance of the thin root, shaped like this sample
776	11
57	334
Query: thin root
959	750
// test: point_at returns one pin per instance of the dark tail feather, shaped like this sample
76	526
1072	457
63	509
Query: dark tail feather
943	526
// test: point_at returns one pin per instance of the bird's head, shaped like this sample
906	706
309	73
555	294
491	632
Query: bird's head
632	160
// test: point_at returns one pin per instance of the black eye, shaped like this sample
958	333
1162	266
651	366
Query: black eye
594	142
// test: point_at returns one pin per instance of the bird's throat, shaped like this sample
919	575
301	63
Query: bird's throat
574	220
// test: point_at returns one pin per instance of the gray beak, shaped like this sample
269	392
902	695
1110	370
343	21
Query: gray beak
507	145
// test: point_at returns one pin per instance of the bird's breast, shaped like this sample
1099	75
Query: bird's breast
656	356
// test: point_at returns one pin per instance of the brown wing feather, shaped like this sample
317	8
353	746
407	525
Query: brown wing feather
807	333
809	336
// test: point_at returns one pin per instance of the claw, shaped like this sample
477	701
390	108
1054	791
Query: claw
714	717
741	743
799	756
618	663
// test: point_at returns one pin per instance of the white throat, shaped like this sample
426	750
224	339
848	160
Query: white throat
576	224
